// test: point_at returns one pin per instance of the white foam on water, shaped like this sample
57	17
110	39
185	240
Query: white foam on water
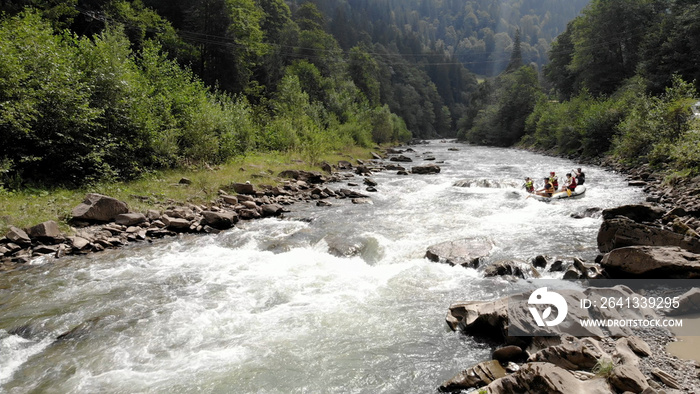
267	308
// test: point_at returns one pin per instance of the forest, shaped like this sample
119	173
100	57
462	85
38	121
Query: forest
622	81
100	90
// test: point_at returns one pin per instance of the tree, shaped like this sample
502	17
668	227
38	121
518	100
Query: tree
363	70
516	56
606	42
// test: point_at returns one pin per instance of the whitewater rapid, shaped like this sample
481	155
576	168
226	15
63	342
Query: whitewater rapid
327	299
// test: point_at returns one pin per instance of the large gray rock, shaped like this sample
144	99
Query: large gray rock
652	262
622	232
465	252
18	236
688	302
572	354
515	268
476	376
271	210
510	316
219	220
130	219
480	318
176	224
426	169
509	353
636	212
243	188
306	176
99	208
46	232
540	377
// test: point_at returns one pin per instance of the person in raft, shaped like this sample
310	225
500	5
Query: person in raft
580	176
554	180
529	185
570	182
547	190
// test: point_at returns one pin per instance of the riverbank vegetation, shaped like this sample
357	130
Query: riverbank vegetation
29	206
108	90
621	82
79	110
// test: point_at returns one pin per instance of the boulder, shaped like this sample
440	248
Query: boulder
176	224
231	200
540	261
480	318
636	212
352	194
219	220
476	376
306	176
466	252
652	262
394	167
540	377
688	303
515	268
622	232
271	210
130	219
509	317
99	208
344	165
247	214
243	188
153	214
426	169
46	232
18	236
508	354
401	159
571	354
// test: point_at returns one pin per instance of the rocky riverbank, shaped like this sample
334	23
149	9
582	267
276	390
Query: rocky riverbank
613	360
655	240
102	222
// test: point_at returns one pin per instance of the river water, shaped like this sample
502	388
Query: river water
273	306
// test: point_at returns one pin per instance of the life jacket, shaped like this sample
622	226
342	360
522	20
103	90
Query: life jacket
549	188
572	184
581	177
554	181
529	186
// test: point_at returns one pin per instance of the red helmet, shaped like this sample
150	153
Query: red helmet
552	173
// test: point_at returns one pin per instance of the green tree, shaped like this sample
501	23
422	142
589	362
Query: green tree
607	41
363	70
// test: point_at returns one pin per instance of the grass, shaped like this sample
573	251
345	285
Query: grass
603	367
25	208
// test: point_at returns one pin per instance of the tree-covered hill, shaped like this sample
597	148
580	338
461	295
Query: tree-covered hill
622	80
110	89
477	33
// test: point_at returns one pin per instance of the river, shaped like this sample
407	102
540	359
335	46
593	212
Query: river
272	307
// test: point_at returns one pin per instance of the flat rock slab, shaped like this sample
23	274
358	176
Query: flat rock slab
466	252
652	262
621	232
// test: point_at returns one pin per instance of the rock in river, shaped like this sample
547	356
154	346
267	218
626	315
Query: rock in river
466	252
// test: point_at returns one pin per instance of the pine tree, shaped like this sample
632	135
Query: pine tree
516	56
